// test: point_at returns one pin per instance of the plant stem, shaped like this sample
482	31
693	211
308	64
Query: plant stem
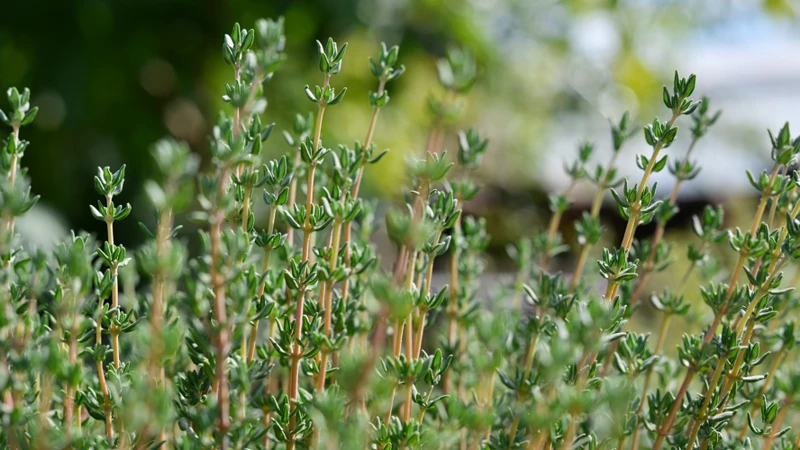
648	376
408	402
373	121
452	304
12	175
388	416
113	329
244	348
774	270
701	415
647	267
297	350
220	313
101	372
773	368
158	309
8	224
293	196
519	282
218	288
526	372
328	306
408	326
569	435
409	336
776	426
555	221
423	311
72	355
633	220
397	338
597	202
613	347
774	204
262	286
664	430
578	272
422	409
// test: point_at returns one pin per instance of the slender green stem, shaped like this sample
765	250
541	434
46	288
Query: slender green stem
487	402
398	342
423	409
9	395
774	204
101	375
662	334
423	311
664	430
519	282
114	329
72	354
633	220
408	402
731	376
328	306
262	286
666	427
158	308
293	196
12	175
244	347
569	435
452	304
297	351
701	415
776	426
647	267
773	368
526	372
221	340
555	221
597	202
373	121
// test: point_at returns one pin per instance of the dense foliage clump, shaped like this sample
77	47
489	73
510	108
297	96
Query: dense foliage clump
292	334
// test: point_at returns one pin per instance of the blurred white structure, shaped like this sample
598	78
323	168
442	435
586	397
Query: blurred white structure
746	64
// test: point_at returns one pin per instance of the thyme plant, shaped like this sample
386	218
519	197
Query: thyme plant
291	331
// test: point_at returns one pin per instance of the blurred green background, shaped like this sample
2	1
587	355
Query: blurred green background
112	77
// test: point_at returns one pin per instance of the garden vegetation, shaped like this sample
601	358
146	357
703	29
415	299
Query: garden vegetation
293	332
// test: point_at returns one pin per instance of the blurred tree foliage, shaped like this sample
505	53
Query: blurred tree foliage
112	77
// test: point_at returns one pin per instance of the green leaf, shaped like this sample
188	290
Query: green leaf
227	54
283	196
338	97
374	68
379	156
506	380
690	85
29	116
96	214
669	136
248	41
659	166
621	202
311	97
